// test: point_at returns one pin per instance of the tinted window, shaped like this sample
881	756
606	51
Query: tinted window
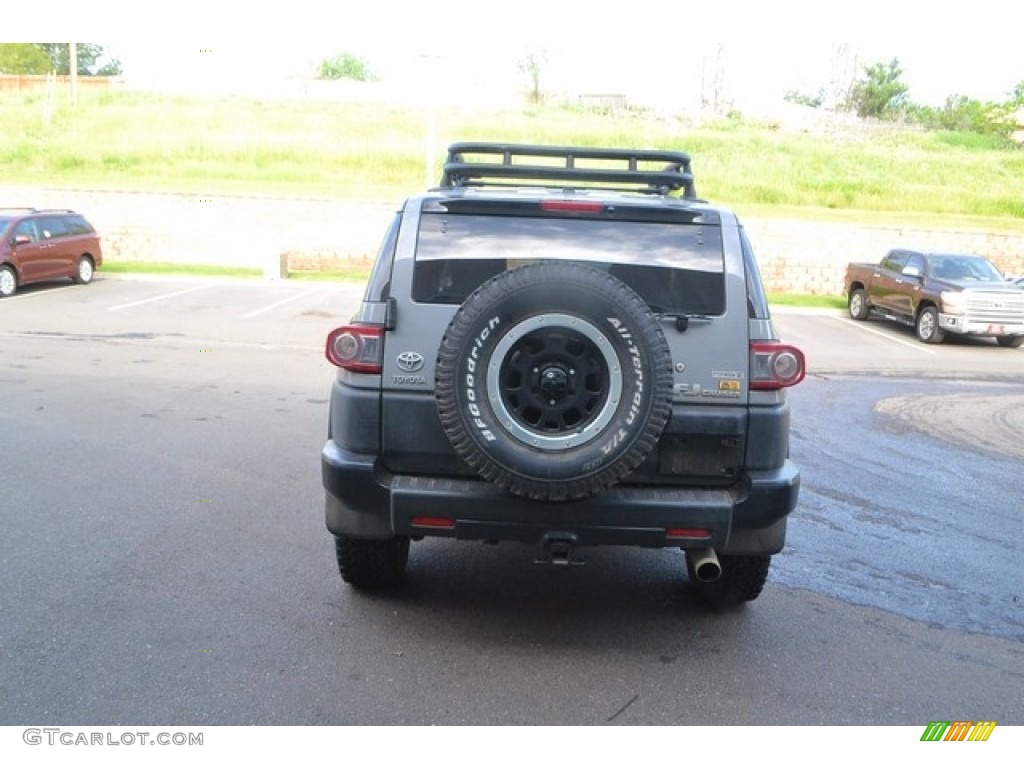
953	266
895	261
917	262
757	300
5	222
378	288
674	267
52	226
26	228
77	225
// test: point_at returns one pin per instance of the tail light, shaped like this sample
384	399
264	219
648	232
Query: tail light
358	348
774	365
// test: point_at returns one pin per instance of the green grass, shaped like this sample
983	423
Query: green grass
807	301
356	274
170	268
373	151
135	141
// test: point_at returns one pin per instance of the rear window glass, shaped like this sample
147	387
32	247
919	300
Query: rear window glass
77	225
674	267
895	261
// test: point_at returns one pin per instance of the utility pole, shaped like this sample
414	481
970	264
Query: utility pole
73	62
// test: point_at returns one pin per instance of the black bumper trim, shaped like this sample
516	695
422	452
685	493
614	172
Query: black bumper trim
619	515
624	514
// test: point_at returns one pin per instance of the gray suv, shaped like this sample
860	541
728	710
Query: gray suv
564	347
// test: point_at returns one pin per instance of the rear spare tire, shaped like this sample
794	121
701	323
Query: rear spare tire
554	381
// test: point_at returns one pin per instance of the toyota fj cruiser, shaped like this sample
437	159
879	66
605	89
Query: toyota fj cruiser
564	347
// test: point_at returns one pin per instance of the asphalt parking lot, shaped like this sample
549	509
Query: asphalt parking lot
165	558
248	312
836	345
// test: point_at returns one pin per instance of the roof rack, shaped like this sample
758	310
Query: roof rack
642	170
27	209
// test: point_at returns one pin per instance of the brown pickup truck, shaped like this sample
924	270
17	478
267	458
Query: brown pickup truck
938	293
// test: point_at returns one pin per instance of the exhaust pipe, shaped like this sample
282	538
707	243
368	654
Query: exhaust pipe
704	564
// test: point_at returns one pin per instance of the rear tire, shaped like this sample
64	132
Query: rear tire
859	305
84	271
371	563
1010	341
743	577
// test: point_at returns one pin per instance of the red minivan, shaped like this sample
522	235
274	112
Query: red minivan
38	245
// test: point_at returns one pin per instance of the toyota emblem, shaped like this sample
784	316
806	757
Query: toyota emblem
410	361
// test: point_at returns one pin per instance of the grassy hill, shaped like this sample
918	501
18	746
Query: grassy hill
134	141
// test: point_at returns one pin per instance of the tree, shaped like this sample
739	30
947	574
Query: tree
23	59
966	115
806	99
880	93
1017	95
345	66
531	65
42	58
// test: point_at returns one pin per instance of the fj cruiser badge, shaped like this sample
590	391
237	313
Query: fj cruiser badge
410	361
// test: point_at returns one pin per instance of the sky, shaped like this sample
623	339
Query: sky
648	47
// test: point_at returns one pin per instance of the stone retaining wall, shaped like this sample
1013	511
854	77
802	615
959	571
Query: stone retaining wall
795	256
806	257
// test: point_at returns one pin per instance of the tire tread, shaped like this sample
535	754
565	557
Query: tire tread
526	279
370	563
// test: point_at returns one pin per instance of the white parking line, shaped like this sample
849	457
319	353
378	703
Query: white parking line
917	346
46	292
277	304
161	297
190	342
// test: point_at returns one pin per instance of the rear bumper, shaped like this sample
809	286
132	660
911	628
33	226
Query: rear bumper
746	518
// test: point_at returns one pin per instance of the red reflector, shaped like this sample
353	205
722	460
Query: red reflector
572	206
688	533
433	522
